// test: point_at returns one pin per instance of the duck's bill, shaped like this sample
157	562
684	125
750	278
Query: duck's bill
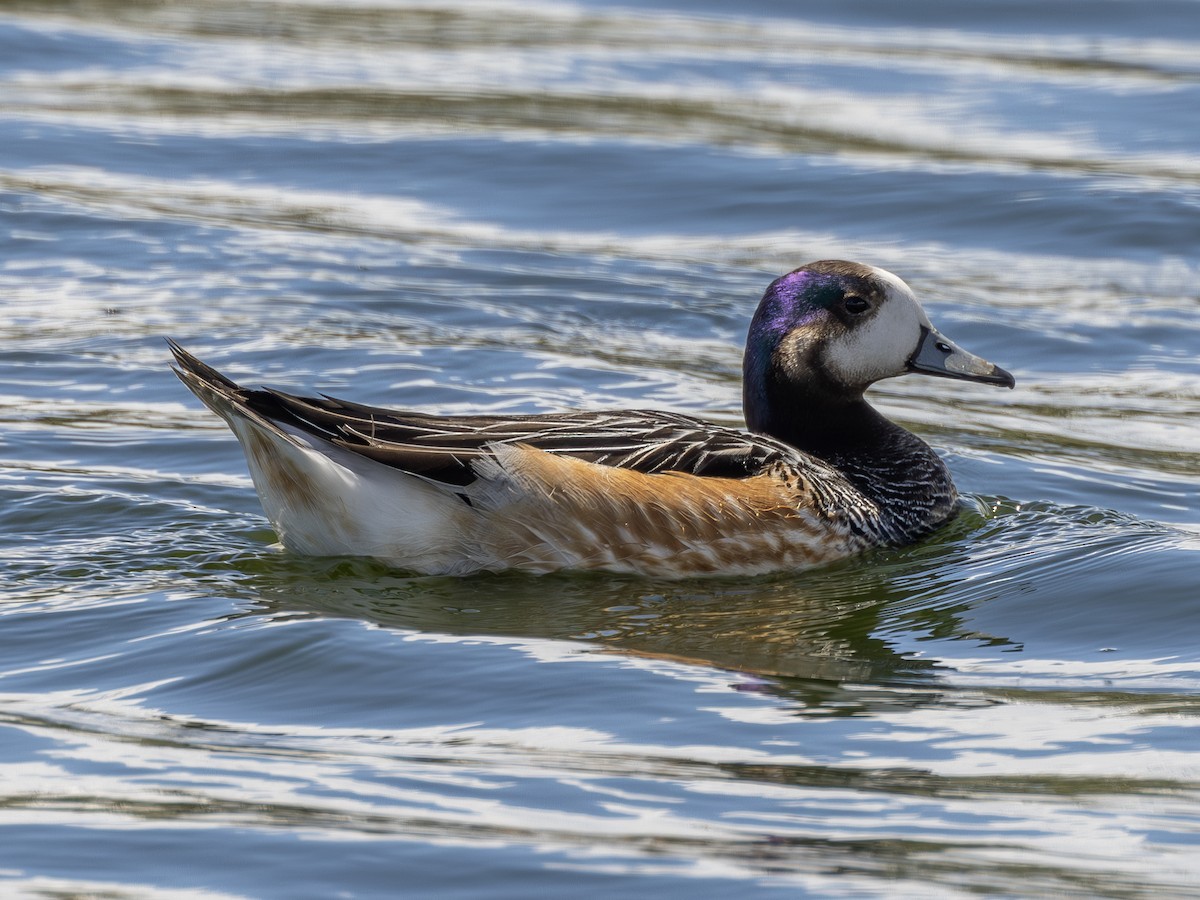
935	355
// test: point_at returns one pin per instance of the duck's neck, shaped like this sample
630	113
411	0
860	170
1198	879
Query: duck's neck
890	466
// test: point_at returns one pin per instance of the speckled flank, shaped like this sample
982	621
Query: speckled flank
550	512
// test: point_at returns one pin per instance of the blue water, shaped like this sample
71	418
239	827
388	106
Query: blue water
525	207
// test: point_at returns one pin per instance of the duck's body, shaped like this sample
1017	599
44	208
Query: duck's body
822	476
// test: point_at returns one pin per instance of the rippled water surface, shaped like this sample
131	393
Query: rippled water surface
525	206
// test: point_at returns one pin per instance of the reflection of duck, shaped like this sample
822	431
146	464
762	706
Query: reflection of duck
829	644
820	476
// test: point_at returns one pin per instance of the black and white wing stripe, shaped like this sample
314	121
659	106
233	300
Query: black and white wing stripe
442	448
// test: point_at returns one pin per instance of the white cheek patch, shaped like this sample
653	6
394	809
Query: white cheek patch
881	346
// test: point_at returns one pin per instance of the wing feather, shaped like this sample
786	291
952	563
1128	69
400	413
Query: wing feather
445	448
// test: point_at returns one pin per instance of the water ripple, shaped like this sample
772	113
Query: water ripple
518	207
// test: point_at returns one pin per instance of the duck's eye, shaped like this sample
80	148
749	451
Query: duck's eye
855	305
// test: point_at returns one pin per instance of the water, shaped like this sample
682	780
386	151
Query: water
522	207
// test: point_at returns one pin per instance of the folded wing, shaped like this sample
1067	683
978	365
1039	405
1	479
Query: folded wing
445	449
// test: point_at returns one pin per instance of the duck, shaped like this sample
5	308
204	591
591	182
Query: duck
817	475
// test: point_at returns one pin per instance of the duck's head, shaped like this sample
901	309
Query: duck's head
829	330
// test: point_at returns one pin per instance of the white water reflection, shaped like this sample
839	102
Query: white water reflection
1030	771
